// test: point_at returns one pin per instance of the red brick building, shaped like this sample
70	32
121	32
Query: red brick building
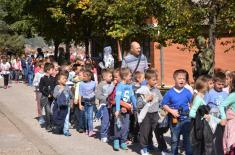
174	58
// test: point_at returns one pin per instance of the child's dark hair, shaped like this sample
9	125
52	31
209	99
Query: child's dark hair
48	66
74	68
40	63
232	82
105	72
179	71
88	73
150	73
89	67
62	73
219	76
124	72
51	58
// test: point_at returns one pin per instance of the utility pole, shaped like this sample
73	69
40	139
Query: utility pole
162	65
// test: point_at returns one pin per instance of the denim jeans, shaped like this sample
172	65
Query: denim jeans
79	118
89	116
66	122
30	79
183	127
104	122
121	134
47	105
25	72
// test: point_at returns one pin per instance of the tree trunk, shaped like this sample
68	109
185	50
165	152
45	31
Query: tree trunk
119	51
67	49
212	34
87	47
56	50
119	64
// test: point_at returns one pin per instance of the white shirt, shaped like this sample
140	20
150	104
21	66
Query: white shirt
5	68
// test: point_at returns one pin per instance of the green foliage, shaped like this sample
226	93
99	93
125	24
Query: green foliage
180	20
15	16
9	40
81	20
119	19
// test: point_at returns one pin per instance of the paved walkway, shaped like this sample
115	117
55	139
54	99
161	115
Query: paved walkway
18	104
13	142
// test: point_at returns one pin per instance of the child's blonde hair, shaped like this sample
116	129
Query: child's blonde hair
201	83
124	72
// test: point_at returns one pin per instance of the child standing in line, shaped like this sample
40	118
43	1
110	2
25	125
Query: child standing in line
214	98
176	103
79	114
139	80
124	92
150	103
134	126
5	71
63	100
209	81
111	101
36	81
103	90
17	68
228	81
30	68
201	136
46	87
228	119
87	100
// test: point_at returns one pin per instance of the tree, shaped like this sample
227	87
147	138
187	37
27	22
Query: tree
10	40
119	19
181	20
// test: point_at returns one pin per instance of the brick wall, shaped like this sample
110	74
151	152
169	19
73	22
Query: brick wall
175	58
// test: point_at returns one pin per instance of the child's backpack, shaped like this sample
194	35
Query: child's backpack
61	100
111	97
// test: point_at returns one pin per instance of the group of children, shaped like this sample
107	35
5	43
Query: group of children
133	105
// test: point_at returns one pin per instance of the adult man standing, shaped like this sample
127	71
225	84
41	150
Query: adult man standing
135	60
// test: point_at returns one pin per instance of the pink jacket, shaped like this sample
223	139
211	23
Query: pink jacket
17	65
229	134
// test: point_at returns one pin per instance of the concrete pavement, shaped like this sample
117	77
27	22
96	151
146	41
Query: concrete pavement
12	141
18	105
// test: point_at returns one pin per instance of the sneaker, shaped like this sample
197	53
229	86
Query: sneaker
166	152
124	146
116	145
49	128
144	151
91	134
80	130
104	140
151	148
86	132
41	120
67	134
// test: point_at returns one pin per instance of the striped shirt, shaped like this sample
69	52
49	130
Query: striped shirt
130	61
